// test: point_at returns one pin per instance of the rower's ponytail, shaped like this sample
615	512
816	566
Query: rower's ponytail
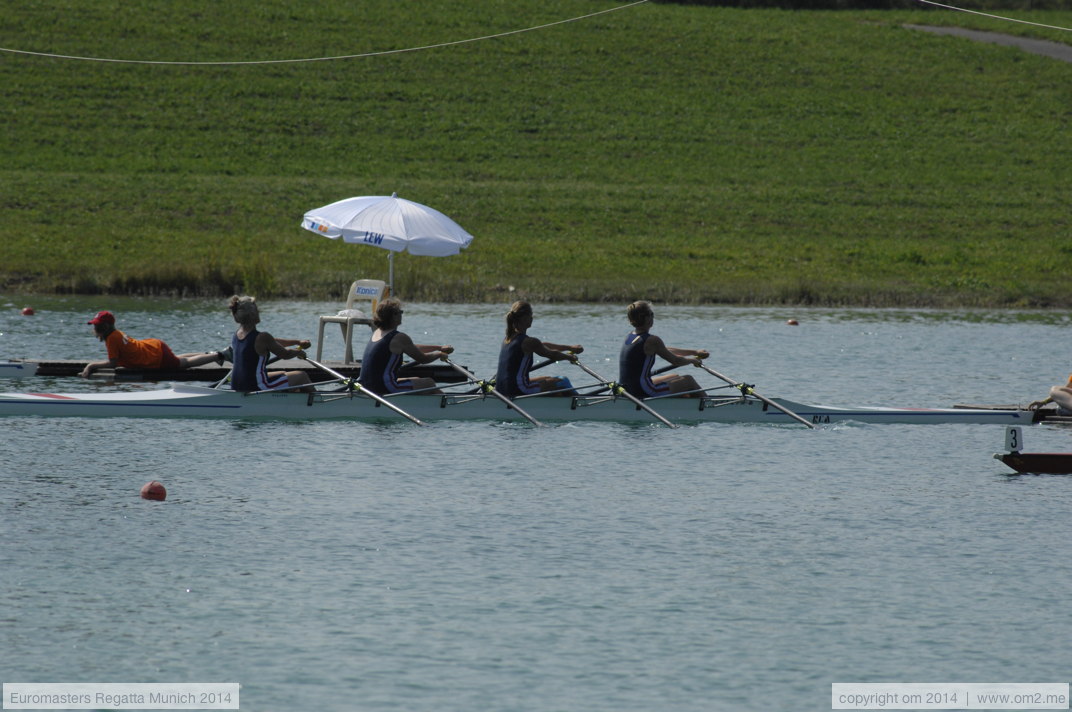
517	309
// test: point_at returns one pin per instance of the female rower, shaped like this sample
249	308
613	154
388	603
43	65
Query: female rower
383	354
638	356
515	357
251	351
149	354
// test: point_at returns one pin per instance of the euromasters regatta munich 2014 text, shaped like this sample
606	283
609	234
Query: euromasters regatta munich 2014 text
103	699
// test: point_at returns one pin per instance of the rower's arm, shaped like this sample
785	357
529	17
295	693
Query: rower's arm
276	347
97	365
687	353
678	357
555	352
421	353
302	344
572	348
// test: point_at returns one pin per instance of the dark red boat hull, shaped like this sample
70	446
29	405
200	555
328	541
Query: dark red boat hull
1043	463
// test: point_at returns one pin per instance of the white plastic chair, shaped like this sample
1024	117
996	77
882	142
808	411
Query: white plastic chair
363	289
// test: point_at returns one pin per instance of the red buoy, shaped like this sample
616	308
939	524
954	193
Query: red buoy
792	322
27	311
153	490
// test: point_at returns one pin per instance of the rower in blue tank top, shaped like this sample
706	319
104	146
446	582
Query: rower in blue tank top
252	349
515	358
638	357
384	352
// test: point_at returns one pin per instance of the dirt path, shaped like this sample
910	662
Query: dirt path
1043	47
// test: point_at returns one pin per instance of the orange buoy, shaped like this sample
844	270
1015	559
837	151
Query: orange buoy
27	311
793	322
153	490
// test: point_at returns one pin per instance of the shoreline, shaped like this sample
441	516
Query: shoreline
814	299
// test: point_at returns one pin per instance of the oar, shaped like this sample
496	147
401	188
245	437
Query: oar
748	391
374	396
545	363
488	388
656	372
619	390
542	364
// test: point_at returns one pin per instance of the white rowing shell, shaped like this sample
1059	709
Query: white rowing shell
183	401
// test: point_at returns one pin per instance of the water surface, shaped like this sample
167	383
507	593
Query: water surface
462	566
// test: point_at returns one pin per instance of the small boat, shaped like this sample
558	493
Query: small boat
186	401
1037	463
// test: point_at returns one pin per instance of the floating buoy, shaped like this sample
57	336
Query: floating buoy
27	311
153	490
793	322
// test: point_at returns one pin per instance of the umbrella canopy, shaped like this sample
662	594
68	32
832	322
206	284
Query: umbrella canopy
391	223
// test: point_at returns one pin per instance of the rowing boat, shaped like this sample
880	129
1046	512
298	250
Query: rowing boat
187	401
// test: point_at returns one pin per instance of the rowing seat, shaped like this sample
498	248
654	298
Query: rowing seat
372	290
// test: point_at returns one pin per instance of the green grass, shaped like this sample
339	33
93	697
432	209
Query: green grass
679	153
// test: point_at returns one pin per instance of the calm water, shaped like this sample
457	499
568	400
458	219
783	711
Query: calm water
483	566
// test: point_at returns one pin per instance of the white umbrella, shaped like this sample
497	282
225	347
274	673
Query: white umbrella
392	223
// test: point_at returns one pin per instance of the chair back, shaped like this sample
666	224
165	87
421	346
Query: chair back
367	290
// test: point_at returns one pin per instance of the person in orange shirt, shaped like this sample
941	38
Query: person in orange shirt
140	353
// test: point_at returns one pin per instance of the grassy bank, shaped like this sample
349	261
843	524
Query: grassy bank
680	153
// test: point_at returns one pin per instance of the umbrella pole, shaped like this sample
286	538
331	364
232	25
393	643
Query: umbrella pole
391	272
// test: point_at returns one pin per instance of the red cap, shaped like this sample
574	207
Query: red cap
103	317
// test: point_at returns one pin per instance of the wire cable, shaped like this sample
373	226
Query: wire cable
325	59
996	17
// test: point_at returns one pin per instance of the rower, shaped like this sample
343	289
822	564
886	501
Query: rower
515	357
252	349
384	351
638	356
